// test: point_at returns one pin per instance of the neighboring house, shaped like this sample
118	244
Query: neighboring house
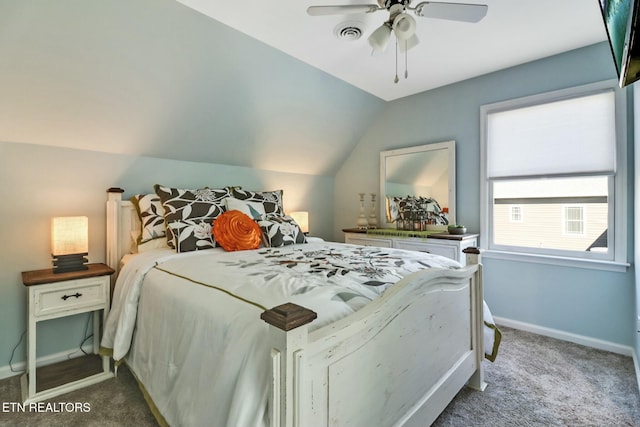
569	215
559	224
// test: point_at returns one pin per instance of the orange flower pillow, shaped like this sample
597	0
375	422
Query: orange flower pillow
236	231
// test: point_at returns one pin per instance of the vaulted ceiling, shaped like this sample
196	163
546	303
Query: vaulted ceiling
156	78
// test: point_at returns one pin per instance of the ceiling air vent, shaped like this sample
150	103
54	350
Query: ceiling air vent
349	30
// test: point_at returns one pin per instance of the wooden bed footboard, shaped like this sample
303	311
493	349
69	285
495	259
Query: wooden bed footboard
398	361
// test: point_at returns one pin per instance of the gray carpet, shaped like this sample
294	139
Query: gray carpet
116	402
539	381
535	381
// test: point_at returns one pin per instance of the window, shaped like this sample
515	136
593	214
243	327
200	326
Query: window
574	220
516	213
561	156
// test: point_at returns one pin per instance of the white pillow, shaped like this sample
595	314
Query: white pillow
160	243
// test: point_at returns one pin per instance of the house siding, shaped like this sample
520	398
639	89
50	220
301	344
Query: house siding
543	226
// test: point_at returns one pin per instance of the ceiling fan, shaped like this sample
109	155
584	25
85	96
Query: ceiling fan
400	22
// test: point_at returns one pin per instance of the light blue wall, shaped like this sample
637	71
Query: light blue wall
119	86
586	302
156	78
39	182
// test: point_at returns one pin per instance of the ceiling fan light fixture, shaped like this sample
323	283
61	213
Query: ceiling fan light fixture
404	26
379	39
399	22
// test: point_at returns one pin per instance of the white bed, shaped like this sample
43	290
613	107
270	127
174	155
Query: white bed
397	360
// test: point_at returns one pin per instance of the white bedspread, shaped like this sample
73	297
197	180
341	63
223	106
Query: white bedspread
199	347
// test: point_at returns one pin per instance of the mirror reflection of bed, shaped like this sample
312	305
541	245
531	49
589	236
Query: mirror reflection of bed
423	177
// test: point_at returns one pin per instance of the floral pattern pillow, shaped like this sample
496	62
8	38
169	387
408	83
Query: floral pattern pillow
151	214
254	210
270	200
412	207
281	231
189	214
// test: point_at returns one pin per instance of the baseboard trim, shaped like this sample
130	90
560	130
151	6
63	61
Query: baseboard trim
20	367
568	336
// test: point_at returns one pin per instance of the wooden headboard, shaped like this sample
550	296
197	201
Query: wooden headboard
122	220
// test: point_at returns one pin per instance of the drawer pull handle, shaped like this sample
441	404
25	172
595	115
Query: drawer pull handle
77	295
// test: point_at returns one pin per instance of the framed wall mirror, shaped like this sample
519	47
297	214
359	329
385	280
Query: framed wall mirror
421	172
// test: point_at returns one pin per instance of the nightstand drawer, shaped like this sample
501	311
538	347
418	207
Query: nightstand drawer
67	297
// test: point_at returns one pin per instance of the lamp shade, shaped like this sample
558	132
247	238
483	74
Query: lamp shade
379	39
302	219
404	26
69	235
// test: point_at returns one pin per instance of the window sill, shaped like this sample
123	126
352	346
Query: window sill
594	264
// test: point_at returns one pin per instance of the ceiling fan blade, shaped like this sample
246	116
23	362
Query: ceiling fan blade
452	11
342	10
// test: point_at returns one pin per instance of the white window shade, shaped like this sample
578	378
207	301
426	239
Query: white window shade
576	135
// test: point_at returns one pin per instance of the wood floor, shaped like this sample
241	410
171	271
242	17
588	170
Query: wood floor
69	370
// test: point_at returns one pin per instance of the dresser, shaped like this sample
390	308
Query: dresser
447	245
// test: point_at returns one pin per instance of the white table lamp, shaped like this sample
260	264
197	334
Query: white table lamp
302	219
69	243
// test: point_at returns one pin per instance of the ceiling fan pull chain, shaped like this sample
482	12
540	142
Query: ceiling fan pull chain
396	79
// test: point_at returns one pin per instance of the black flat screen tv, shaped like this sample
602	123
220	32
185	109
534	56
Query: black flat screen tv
621	22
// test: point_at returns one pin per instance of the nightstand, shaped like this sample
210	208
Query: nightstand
51	296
